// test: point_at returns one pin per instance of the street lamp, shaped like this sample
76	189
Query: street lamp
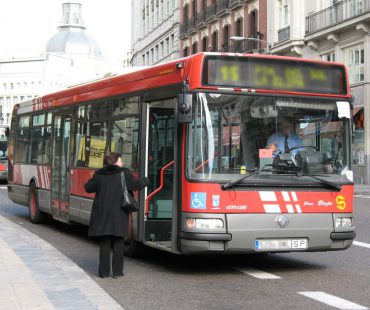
239	39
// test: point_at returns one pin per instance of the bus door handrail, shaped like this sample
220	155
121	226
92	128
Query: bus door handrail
149	197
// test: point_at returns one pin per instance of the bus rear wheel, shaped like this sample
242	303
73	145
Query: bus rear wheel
36	216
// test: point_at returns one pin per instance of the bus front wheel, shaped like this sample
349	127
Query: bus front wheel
36	216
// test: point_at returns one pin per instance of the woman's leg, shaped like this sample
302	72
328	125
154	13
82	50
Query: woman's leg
104	255
118	256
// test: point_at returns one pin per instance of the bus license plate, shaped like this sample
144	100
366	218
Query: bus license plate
281	244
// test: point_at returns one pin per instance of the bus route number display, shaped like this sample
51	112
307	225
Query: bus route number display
274	74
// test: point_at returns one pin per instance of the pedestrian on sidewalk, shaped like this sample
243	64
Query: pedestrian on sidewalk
108	221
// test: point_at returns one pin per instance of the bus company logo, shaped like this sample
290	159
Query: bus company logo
341	202
216	202
198	200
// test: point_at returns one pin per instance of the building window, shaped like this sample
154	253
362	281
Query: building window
194	48
226	38
167	46
215	41
173	42
186	51
194	7
239	27
205	44
354	58
328	57
283	13
186	13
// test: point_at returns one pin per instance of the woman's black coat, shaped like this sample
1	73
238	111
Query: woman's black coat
107	216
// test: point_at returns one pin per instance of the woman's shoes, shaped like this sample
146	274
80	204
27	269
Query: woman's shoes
116	276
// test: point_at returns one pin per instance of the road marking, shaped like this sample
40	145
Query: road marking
333	301
363	244
259	274
363	196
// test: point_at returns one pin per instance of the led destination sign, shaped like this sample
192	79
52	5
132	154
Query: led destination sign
274	74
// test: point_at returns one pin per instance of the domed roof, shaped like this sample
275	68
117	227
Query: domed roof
72	38
73	42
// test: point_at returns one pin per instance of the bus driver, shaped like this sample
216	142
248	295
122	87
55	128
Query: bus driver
285	139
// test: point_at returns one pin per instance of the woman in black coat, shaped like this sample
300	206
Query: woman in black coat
108	221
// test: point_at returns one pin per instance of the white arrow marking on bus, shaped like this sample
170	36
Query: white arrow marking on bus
333	301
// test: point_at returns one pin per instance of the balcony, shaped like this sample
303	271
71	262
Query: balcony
284	34
235	3
211	12
222	7
335	14
187	27
201	18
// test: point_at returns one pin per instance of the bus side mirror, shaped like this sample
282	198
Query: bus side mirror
184	108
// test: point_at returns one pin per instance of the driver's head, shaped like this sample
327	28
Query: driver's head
287	126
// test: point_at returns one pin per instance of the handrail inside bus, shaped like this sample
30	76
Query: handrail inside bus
159	188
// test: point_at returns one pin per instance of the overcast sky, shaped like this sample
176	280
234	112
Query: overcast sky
26	25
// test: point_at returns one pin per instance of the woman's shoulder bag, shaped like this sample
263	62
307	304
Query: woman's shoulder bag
128	203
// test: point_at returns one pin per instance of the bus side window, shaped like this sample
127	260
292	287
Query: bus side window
23	140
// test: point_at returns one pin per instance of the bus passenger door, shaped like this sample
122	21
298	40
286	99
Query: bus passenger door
60	166
160	170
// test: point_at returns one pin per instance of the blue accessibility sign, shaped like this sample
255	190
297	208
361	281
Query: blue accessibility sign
198	200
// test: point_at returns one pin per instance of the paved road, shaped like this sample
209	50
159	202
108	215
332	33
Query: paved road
333	280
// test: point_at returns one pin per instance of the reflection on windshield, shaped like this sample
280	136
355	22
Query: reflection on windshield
233	134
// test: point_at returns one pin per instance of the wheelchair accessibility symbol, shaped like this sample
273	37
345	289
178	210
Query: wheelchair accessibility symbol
198	201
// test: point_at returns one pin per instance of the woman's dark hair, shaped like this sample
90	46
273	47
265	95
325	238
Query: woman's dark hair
111	158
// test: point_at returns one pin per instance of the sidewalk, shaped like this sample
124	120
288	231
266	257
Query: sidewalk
35	275
362	189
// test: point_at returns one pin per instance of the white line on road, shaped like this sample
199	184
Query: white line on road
363	196
259	274
333	301
363	244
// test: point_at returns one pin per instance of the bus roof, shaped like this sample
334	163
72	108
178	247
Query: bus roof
171	73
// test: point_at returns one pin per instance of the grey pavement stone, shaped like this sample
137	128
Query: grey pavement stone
35	275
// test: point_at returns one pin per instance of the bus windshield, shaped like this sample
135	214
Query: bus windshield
3	143
232	135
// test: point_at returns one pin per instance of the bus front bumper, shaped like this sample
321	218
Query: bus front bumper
241	231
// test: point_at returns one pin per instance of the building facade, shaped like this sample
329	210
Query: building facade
213	25
331	30
71	56
154	31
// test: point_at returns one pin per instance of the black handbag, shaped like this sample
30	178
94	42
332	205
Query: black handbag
128	203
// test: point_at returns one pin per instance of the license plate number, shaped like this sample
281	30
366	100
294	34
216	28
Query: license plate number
280	244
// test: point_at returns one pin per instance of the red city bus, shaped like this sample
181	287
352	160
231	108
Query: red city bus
245	153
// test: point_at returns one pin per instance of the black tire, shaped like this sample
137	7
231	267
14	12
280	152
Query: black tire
36	216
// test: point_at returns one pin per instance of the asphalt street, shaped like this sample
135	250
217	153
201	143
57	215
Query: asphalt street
328	280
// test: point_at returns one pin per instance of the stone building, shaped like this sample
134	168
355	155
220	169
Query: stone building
331	30
213	25
154	31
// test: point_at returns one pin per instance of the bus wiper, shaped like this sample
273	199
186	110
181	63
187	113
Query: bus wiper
326	182
233	183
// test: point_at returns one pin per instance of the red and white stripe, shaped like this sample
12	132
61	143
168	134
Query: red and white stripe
271	203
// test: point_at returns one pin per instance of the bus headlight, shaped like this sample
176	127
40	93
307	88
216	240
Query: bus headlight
343	222
204	223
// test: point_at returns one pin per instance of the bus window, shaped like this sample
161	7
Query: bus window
91	144
99	110
126	106
23	140
125	140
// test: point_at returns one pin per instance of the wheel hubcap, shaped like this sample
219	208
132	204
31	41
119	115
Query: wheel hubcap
33	204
